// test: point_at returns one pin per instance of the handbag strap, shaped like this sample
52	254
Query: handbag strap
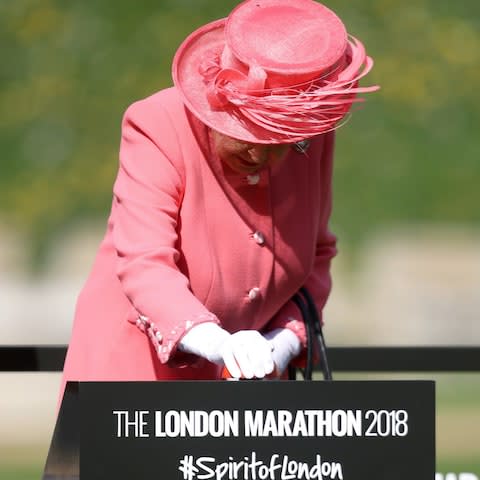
313	328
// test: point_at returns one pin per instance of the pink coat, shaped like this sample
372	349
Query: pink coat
189	241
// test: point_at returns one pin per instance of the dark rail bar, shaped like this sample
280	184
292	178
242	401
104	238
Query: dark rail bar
342	359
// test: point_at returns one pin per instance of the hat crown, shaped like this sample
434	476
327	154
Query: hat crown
274	71
285	37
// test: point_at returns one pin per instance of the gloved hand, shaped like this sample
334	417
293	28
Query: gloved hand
246	354
205	340
286	346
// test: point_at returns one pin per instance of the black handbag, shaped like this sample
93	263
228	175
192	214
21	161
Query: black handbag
315	338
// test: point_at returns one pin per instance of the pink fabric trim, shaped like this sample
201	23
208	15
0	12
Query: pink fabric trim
290	317
165	342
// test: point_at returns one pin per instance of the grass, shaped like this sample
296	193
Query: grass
21	472
455	466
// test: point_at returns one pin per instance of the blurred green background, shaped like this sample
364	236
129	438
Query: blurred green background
411	154
70	69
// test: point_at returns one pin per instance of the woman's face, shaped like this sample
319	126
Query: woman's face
244	157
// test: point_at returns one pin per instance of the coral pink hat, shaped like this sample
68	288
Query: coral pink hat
274	71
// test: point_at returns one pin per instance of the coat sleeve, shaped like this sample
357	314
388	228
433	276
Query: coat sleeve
318	282
147	196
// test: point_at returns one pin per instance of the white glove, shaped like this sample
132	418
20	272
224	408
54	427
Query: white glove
205	340
286	346
246	354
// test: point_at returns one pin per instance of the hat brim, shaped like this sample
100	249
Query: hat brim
192	88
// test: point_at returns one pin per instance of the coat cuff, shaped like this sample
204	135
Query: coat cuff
165	340
289	316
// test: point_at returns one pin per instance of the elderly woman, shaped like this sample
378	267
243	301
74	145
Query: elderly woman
222	201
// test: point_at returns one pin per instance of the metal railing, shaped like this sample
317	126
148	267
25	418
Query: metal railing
341	359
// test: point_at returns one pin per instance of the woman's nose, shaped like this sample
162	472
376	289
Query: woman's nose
258	154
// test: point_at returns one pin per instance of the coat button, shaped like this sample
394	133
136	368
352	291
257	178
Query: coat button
253	293
253	179
259	238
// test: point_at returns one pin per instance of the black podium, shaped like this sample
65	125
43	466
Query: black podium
245	430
